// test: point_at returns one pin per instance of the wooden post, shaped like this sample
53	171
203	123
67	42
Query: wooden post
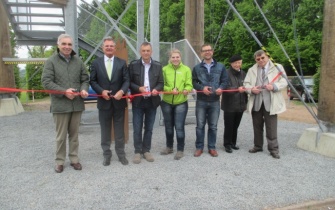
194	23
121	52
326	111
7	78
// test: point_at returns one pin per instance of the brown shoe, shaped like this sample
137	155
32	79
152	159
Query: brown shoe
254	150
197	152
275	155
76	166
213	153
59	168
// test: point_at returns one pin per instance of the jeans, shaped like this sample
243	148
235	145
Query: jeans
210	112
174	117
147	112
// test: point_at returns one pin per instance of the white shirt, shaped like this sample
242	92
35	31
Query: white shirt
106	60
146	75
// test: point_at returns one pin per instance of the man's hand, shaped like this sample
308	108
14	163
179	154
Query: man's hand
84	94
70	93
256	90
105	94
143	89
175	91
118	95
269	87
218	91
241	89
154	92
207	90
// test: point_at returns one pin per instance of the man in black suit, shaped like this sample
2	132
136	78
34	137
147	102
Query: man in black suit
146	76
109	77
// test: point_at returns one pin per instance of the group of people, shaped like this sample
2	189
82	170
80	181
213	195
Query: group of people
258	91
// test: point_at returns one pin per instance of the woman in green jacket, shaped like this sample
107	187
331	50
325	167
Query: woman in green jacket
177	85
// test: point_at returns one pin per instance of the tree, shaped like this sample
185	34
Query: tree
235	38
34	71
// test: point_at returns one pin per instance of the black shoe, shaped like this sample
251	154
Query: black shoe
275	155
124	161
107	161
235	147
228	149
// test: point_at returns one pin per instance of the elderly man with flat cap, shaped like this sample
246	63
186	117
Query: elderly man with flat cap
233	103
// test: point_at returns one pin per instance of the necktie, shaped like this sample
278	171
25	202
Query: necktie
109	68
263	74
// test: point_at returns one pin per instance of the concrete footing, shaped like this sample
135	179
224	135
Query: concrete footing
10	106
315	141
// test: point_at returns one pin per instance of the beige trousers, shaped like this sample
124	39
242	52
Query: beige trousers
67	124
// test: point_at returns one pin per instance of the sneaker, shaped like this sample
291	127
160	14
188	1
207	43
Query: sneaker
148	157
137	158
179	155
167	151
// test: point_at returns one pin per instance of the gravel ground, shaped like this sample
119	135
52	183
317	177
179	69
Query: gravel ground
230	181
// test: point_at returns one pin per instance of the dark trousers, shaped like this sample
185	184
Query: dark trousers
258	119
144	112
231	123
105	119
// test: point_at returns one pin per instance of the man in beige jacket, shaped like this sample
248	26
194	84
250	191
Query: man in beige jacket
264	84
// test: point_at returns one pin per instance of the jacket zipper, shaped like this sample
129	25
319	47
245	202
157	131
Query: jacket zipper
175	75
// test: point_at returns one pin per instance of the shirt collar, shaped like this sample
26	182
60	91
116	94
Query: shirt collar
106	58
266	67
69	58
145	63
212	62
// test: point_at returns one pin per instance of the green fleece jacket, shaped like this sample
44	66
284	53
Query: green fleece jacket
60	75
176	77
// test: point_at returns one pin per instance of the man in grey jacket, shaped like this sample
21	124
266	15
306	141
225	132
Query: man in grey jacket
264	83
65	76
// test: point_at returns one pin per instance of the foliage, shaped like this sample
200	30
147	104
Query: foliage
235	37
34	72
316	86
294	22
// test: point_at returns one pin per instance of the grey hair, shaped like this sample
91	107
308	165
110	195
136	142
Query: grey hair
62	36
146	44
108	38
259	53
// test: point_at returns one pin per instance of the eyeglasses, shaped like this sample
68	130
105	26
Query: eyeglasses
207	50
258	59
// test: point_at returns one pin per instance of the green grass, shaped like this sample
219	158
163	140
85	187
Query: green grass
24	98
